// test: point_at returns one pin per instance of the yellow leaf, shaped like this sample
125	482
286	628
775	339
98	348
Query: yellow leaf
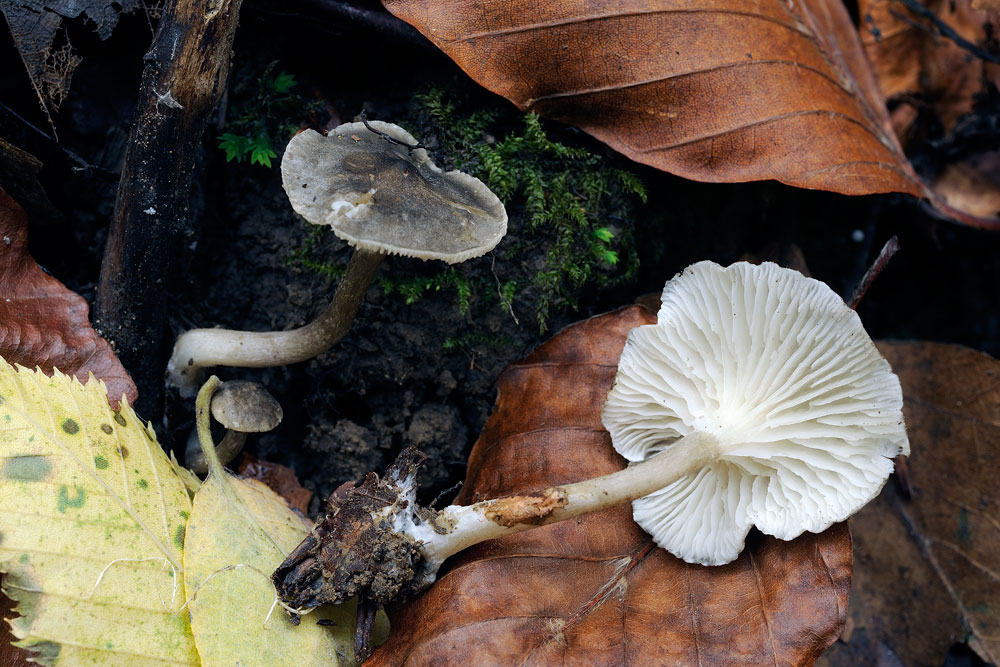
191	481
92	518
234	542
239	532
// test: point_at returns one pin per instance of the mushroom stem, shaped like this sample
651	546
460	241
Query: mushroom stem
228	448
199	348
458	527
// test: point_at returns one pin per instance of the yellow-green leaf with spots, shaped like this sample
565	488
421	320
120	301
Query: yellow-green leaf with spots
92	520
239	532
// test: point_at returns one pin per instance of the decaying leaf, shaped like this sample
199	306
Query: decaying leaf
92	518
928	569
281	479
914	63
596	590
44	324
36	25
972	186
712	91
10	655
239	531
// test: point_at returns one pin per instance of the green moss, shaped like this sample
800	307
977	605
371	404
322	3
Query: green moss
571	204
263	110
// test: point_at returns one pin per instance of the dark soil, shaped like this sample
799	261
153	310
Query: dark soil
390	382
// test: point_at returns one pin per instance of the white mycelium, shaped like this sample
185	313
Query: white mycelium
806	413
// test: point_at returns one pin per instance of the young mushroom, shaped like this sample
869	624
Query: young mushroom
756	399
242	407
378	190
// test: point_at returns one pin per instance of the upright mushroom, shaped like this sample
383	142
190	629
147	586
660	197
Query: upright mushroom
379	191
242	407
756	399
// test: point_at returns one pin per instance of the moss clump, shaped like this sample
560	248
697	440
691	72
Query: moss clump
564	201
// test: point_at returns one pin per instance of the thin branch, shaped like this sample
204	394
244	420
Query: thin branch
890	248
946	30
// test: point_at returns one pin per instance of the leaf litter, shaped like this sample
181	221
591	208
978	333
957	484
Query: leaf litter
940	548
107	557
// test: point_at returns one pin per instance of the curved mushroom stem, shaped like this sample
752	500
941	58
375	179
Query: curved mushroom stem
199	348
228	449
458	527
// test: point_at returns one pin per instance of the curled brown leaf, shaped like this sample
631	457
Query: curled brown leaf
596	590
44	324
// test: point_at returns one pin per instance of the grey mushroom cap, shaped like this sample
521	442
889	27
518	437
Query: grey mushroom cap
387	198
246	407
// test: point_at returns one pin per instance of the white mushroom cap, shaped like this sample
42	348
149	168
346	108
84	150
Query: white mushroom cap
384	197
773	364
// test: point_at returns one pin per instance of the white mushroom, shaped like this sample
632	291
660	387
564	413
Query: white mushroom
381	193
803	412
756	399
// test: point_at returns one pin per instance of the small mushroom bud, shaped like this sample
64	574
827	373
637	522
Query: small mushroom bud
242	407
379	191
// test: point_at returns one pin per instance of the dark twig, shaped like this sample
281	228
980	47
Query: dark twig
454	487
888	250
891	247
381	22
363	631
947	31
81	164
185	73
392	140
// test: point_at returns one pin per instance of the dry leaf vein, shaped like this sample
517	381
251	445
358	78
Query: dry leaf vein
850	163
763	605
757	123
576	20
691	73
829	574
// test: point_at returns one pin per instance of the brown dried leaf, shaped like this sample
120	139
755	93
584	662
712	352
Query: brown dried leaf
928	569
44	324
11	656
596	590
713	91
911	59
972	186
280	479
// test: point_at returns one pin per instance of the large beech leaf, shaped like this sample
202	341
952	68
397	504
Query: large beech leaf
596	590
713	90
927	569
92	519
717	90
44	324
